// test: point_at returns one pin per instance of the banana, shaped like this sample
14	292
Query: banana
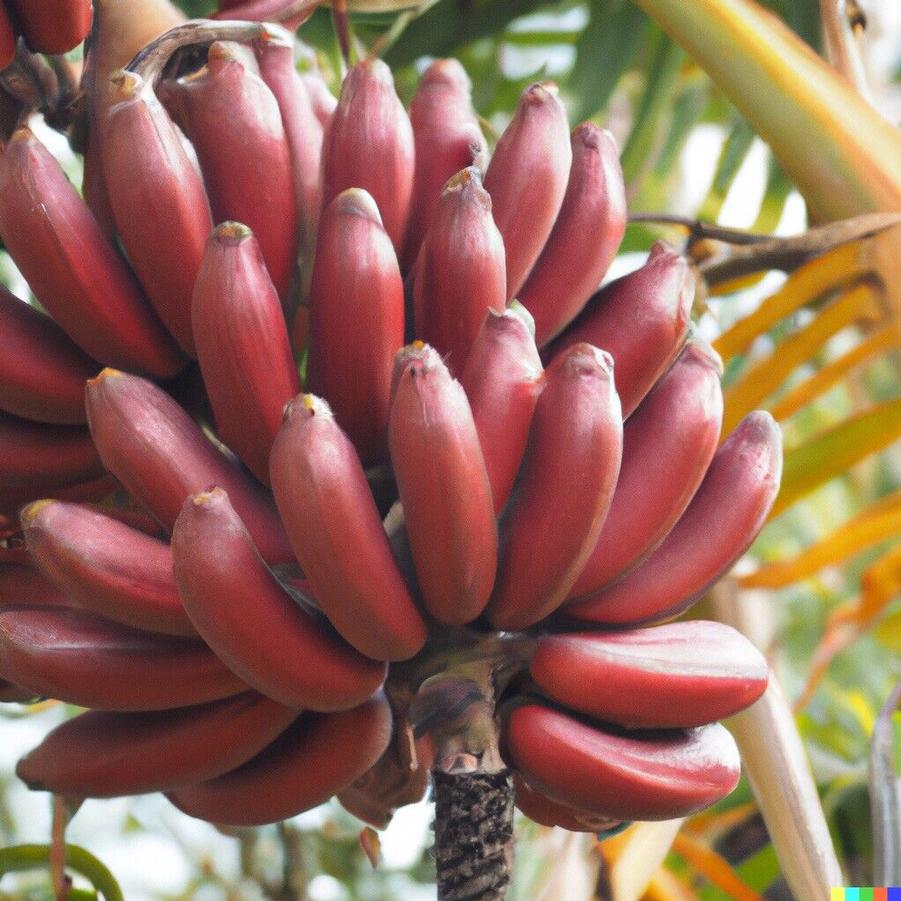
527	177
7	45
102	754
76	657
228	110
13	498
369	145
586	235
447	139
303	130
42	373
243	613
242	345
338	537
291	13
673	676
460	272
658	296
652	775
13	694
502	380
35	456
542	810
444	488
324	102
53	26
564	488
318	756
73	270
722	520
146	168
21	585
668	443
105	566
161	457
356	320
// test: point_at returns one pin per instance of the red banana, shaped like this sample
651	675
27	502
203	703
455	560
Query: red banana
641	320
337	534
724	517
105	566
53	26
42	373
147	169
356	320
102	754
229	109
78	658
502	380
324	102
7	46
527	178
656	775
73	270
369	145
161	456
459	274
542	810
13	694
447	138
674	676
242	345
564	488
304	132
668	443
444	488
12	499
244	614
21	585
585	237
35	456
312	760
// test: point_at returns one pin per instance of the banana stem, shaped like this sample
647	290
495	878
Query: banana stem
842	46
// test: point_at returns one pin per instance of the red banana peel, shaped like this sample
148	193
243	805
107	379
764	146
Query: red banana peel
53	26
338	537
564	489
242	345
244	614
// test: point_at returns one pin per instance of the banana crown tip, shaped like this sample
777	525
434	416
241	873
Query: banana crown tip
211	494
106	373
358	202
232	231
29	513
126	82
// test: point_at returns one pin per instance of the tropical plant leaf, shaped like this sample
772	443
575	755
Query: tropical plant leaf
733	153
713	867
837	449
634	856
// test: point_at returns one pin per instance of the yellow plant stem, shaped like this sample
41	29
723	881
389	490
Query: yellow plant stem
878	522
765	376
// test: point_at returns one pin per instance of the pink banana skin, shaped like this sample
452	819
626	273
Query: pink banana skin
460	274
253	625
356	320
242	345
311	761
230	108
337	534
641	320
719	525
72	268
303	130
527	178
447	138
324	102
35	456
105	566
624	776
7	47
146	168
564	489
370	145
586	235
42	373
53	26
542	810
78	658
674	676
444	488
502	380
668	443
21	585
14	498
101	754
161	457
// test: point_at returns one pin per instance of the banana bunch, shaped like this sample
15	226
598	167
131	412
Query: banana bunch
237	572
